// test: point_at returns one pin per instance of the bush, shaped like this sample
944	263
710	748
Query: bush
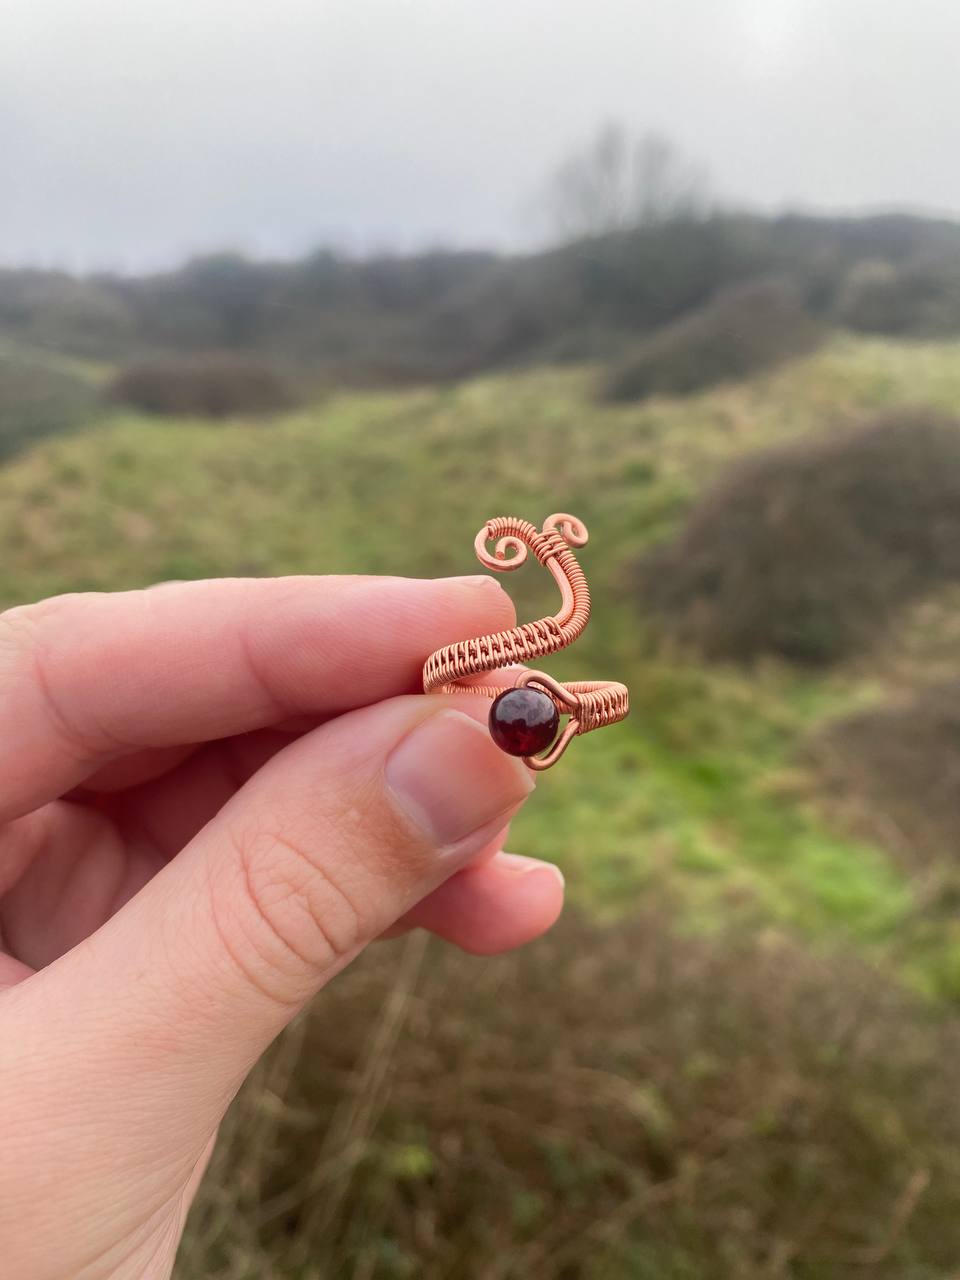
919	298
617	1101
807	551
214	385
892	774
38	400
741	333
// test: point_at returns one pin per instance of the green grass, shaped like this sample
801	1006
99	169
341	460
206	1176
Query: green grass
691	795
698	1077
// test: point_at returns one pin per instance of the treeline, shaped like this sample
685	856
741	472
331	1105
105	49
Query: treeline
443	315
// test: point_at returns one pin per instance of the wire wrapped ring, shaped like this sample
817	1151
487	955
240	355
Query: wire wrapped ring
590	704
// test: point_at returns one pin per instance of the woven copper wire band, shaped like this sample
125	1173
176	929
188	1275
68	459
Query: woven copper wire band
591	704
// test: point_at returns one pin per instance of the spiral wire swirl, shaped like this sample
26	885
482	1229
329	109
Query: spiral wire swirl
590	704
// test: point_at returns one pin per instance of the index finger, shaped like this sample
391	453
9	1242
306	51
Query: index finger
85	679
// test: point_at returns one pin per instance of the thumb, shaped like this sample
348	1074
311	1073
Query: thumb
131	1045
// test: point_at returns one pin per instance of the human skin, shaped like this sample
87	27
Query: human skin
213	795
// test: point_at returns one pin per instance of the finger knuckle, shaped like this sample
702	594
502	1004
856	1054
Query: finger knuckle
301	918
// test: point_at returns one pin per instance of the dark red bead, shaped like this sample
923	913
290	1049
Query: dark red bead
523	722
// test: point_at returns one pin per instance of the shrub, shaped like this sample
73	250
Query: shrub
213	385
892	774
806	551
38	400
740	333
919	297
616	1101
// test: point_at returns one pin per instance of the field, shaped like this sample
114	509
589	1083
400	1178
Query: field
733	1060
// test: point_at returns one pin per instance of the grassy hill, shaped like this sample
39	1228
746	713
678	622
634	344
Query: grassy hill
692	788
698	805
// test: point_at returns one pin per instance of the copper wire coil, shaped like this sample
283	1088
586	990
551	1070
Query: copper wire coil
591	704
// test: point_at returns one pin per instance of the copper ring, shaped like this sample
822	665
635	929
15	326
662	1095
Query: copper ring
590	704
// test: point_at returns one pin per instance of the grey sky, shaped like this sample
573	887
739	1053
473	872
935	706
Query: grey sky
133	132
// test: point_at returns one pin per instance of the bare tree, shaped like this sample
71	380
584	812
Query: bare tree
618	181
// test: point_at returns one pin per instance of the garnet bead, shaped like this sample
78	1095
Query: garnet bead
523	721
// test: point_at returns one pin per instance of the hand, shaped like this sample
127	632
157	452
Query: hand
213	795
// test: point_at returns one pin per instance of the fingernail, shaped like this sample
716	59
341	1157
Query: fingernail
452	781
516	864
481	581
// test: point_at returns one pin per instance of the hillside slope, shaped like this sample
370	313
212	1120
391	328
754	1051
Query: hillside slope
733	1060
693	796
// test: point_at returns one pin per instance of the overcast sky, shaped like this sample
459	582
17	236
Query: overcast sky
134	132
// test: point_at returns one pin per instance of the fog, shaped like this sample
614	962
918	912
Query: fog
134	134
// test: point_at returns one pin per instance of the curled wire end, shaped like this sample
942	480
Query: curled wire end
572	530
509	553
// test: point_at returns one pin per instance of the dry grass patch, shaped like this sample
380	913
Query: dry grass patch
616	1101
212	385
